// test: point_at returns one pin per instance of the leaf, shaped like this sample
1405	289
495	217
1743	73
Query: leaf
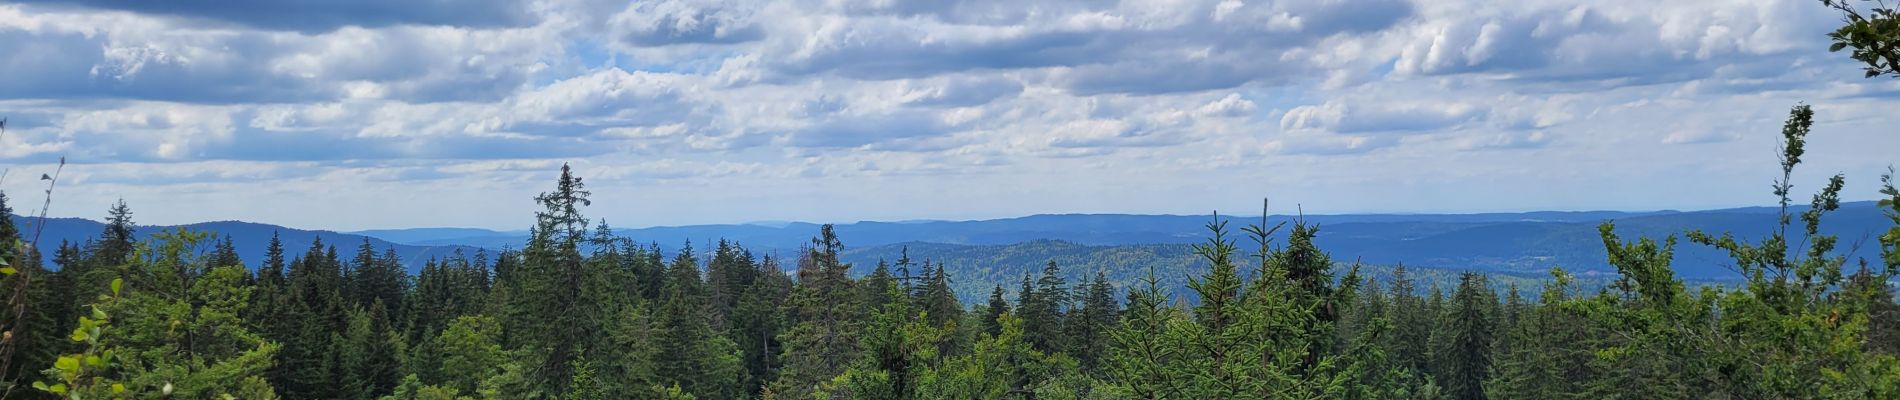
41	386
1836	47
116	283
59	388
8	270
80	335
95	361
66	363
98	313
118	388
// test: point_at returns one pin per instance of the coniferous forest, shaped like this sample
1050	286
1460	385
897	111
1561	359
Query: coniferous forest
578	312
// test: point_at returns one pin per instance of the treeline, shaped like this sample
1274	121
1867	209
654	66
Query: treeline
580	313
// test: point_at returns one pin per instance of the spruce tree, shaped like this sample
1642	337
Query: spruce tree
1550	354
225	254
1042	308
545	317
997	308
377	278
368	363
313	310
872	295
697	358
823	337
937	300
1464	355
896	348
1090	325
1146	358
36	324
178	324
757	321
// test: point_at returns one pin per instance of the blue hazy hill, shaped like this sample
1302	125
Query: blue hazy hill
251	239
1522	243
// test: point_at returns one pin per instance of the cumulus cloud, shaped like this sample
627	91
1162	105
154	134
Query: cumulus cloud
1230	106
608	97
1378	117
320	16
890	95
672	22
131	56
1507	140
1614	43
1327	145
1699	136
849	131
961	91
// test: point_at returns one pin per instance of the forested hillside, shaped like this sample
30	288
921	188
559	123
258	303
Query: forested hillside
974	270
1248	310
1260	311
1521	243
1516	246
248	239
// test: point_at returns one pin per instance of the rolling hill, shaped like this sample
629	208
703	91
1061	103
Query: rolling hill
1528	242
251	239
985	252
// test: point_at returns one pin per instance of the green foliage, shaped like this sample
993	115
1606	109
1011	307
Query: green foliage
1043	307
1873	33
997	307
470	351
1089	326
181	319
1464	353
1267	337
899	344
368	354
823	337
87	374
622	320
1791	331
34	325
1004	366
1550	353
696	357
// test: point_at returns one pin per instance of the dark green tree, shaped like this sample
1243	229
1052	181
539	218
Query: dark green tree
997	308
1467	332
1043	308
824	333
225	254
180	324
367	354
545	317
937	300
696	357
756	322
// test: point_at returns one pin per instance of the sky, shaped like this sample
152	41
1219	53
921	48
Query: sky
359	114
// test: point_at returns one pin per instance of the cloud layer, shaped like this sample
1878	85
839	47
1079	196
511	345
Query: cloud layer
700	111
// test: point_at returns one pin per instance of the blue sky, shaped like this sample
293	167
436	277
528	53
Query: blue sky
353	114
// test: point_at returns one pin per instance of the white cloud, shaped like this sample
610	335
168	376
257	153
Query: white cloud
1231	106
1374	117
966	99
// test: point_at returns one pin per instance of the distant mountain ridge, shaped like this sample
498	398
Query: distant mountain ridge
1521	243
251	239
1094	229
1510	242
